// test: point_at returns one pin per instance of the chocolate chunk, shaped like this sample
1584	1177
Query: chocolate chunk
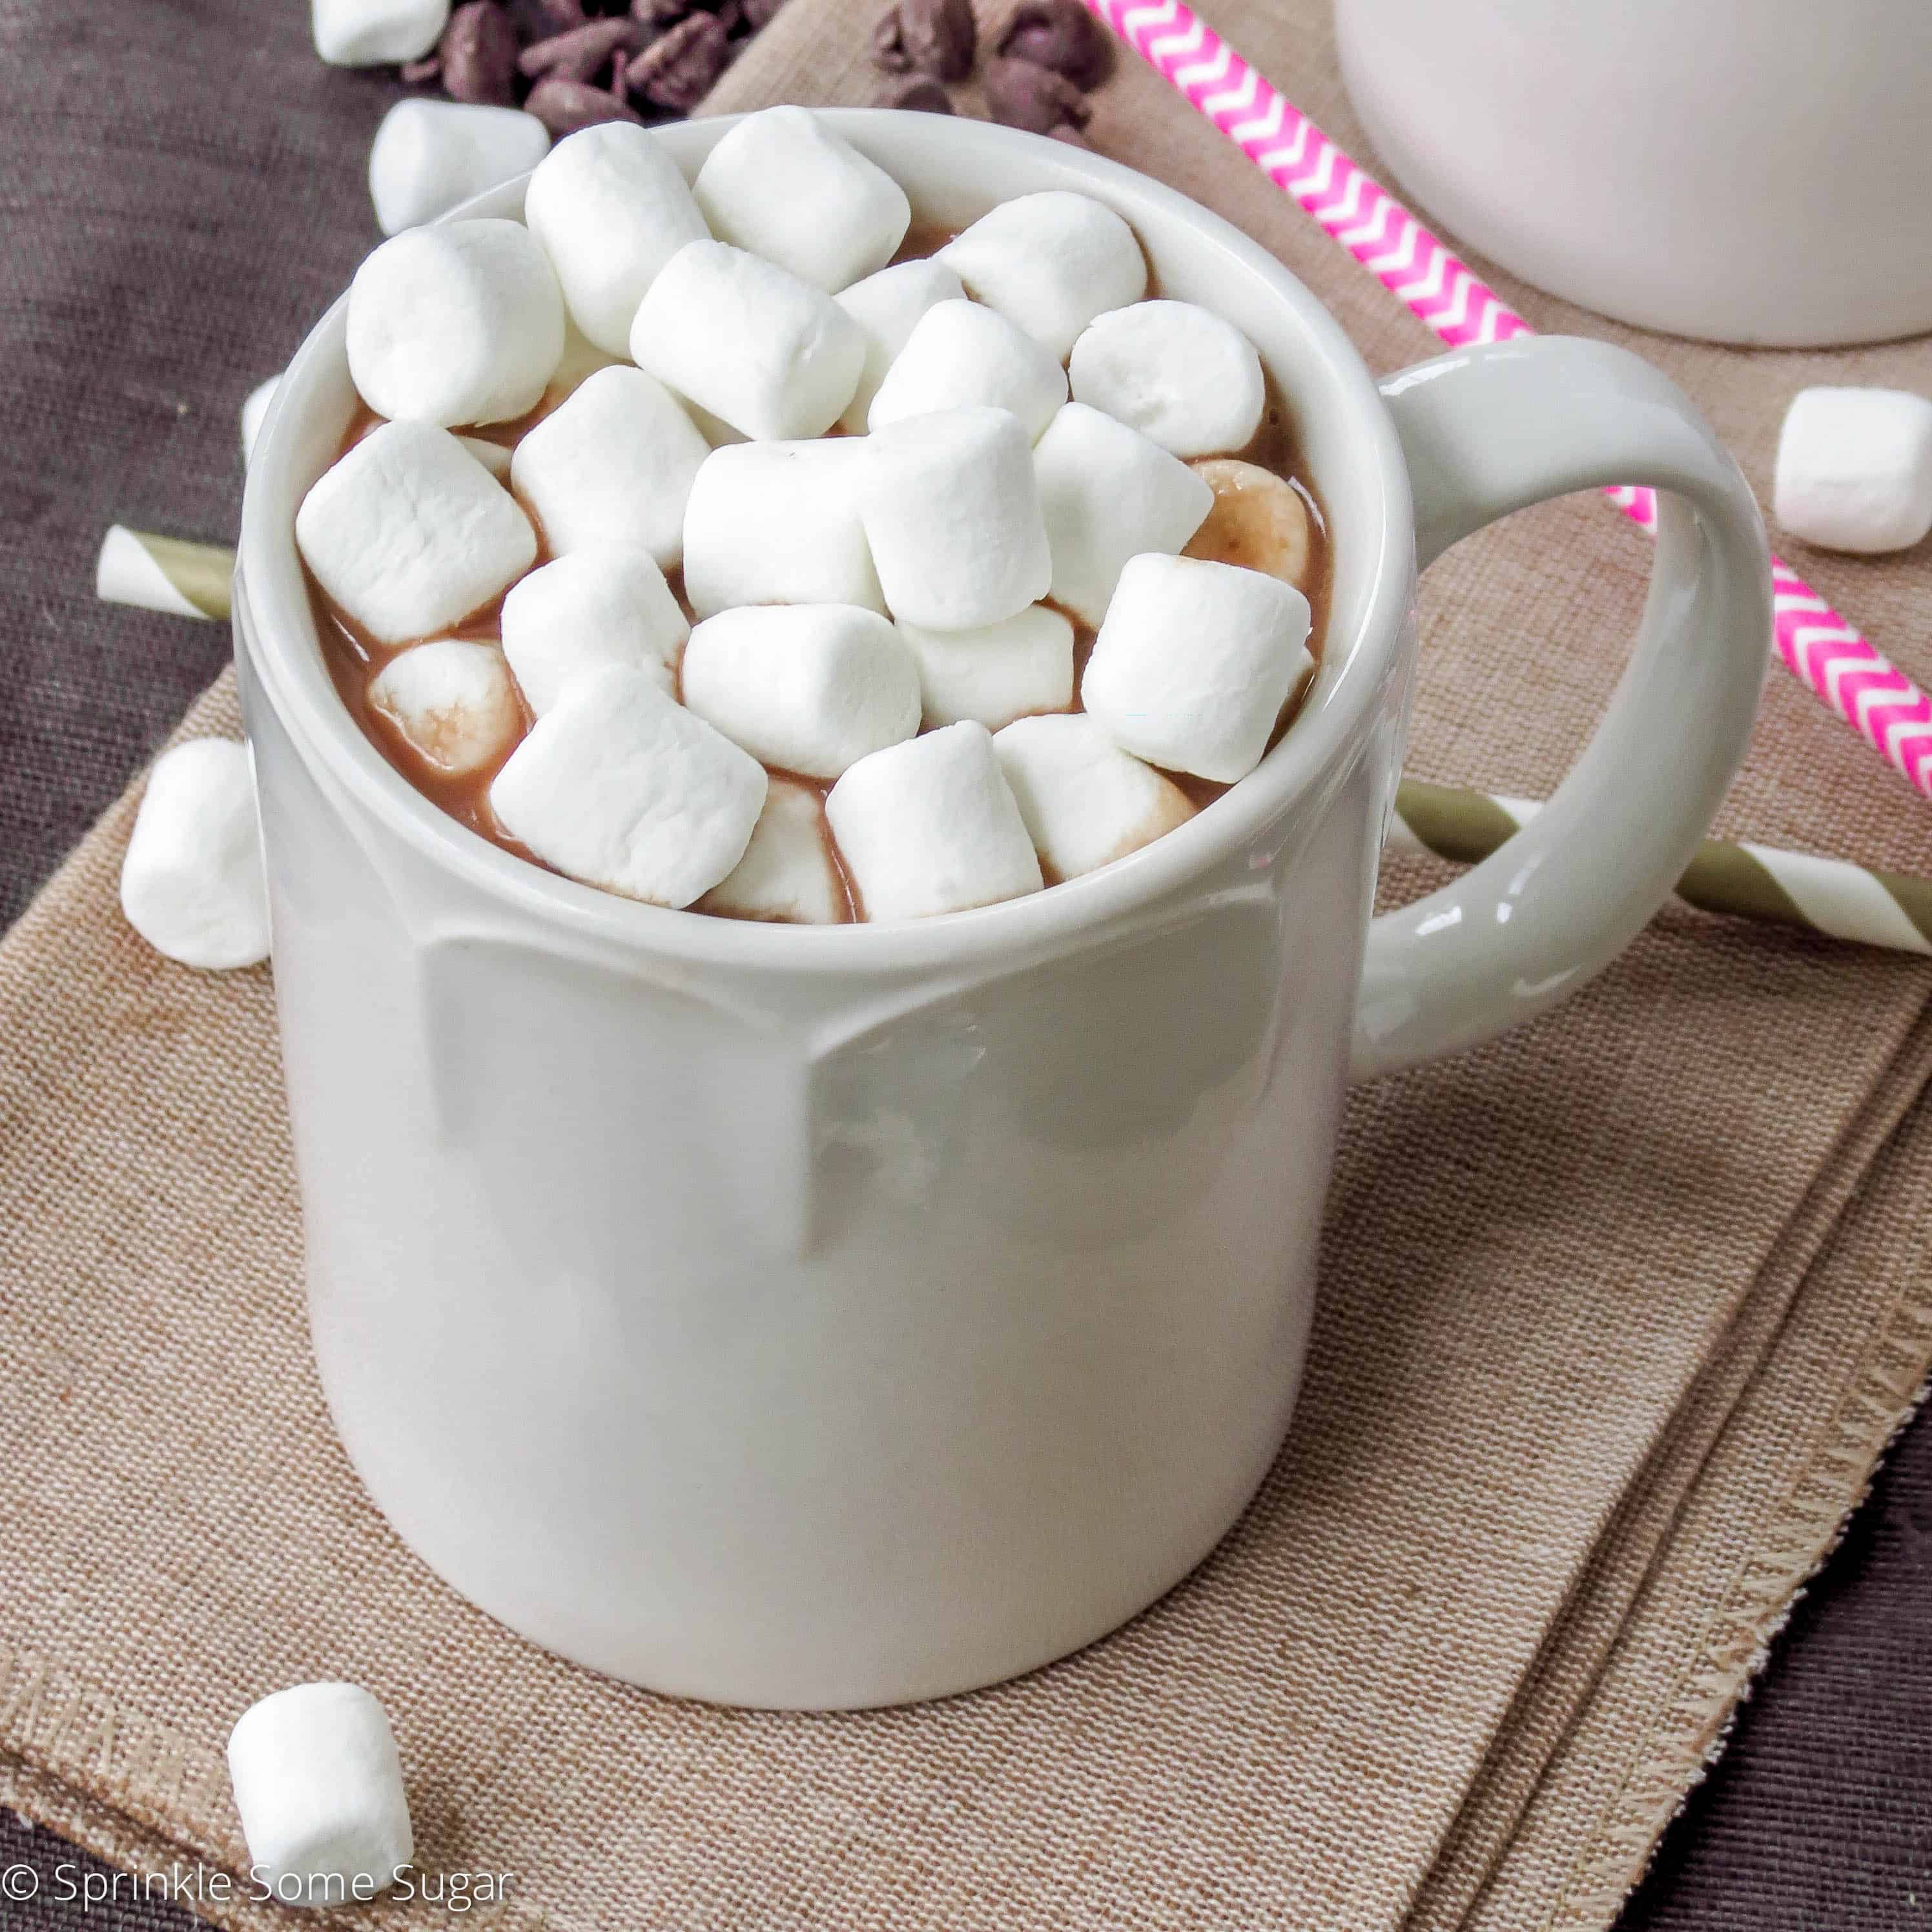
582	53
1035	98
935	37
1060	34
678	69
922	94
478	53
565	106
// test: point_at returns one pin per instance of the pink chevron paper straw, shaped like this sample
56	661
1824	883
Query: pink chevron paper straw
1826	652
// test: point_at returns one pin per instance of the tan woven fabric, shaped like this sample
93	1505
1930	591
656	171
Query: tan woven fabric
1616	1315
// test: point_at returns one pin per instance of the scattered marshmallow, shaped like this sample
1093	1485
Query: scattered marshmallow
953	514
461	322
610	209
995	673
1178	373
774	356
885	306
961	352
254	413
494	457
1855	468
429	156
453	701
191	883
1050	263
931	826
374	33
1195	662
614	464
778	522
782	185
1086	802
604	605
1108	494
318	1785
408	533
808	688
786	874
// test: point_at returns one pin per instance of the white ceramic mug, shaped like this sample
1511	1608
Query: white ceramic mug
841	1316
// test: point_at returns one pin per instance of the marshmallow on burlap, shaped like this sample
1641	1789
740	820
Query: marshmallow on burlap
995	673
604	605
778	523
961	353
809	687
1108	494
254	413
454	701
1854	469
772	356
620	786
1050	263
614	464
429	156
191	882
408	533
1178	373
461	322
610	208
1195	662
953	515
319	1787
885	306
376	33
786	874
930	826
1086	802
781	185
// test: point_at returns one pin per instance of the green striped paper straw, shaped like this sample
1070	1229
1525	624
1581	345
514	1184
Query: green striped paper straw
185	580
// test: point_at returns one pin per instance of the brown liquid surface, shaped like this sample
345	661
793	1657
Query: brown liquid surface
355	659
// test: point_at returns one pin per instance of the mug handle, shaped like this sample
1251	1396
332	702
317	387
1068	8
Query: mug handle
1489	431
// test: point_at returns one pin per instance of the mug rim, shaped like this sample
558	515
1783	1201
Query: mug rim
275	625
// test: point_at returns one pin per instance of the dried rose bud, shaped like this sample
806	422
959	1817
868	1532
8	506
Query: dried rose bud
654	16
478	53
678	69
1060	34
922	94
888	48
565	105
935	37
1032	97
581	54
541	19
1070	134
760	12
420	72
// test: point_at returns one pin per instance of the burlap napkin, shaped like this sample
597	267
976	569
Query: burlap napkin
1616	1315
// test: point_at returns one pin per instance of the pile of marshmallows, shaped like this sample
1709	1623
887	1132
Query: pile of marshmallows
848	587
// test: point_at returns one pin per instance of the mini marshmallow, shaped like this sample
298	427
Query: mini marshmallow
781	185
809	687
254	413
494	457
931	826
606	603
1195	662
429	156
772	355
1854	469
461	322
613	465
1051	263
1086	802
408	533
610	208
374	33
1108	494
621	786
191	883
885	306
1178	373
778	522
953	515
453	701
960	353
318	1785
786	874
995	673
